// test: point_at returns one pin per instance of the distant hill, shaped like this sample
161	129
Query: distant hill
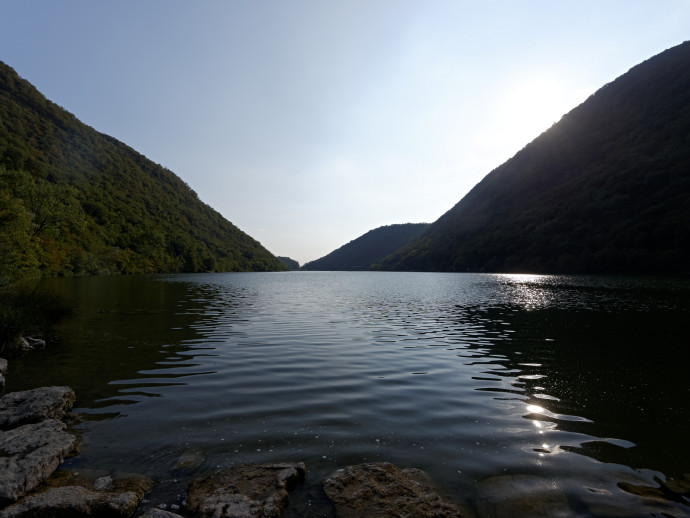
76	201
366	251
291	264
606	189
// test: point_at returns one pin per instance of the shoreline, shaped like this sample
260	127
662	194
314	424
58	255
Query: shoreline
501	496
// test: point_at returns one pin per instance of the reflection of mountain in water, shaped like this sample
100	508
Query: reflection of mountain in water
127	337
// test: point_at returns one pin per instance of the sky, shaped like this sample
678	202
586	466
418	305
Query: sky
308	123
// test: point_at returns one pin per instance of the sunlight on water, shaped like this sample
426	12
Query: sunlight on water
466	376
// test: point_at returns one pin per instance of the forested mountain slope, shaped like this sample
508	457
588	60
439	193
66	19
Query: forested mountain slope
75	201
606	189
367	250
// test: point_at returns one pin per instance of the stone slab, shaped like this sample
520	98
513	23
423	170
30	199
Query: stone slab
244	491
29	454
381	489
34	406
83	494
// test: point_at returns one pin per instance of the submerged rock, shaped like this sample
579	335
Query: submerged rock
34	406
190	460
382	489
245	491
521	496
29	454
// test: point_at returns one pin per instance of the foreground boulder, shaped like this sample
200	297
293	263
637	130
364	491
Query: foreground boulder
34	406
29	454
245	491
3	371
85	494
383	489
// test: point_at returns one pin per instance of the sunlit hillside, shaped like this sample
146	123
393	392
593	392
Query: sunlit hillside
75	201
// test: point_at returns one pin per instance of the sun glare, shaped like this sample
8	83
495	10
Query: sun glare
530	105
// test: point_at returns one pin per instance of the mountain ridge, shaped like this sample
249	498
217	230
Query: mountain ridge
364	252
606	189
136	216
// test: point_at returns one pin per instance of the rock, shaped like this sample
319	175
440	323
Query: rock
29	343
29	454
78	494
157	513
73	501
383	489
190	460
679	486
34	406
3	370
521	496
100	480
245	491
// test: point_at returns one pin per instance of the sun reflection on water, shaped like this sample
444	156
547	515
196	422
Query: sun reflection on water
529	291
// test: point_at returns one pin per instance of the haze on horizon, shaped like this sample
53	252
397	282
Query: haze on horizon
309	123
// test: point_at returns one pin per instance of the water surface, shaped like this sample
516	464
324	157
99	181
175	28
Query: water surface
577	380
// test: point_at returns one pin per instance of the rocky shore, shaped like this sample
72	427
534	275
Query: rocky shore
35	439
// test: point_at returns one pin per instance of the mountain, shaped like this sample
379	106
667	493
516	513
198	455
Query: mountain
75	201
366	251
606	189
291	264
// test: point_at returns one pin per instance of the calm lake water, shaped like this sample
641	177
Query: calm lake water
580	381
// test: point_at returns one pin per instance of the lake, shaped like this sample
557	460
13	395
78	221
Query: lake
579	381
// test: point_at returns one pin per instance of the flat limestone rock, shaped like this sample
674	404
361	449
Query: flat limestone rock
158	513
34	406
382	489
83	494
29	454
73	501
245	491
521	496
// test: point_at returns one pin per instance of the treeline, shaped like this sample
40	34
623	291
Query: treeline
74	201
289	263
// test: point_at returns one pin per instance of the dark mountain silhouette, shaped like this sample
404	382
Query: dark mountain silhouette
291	264
606	189
366	251
77	201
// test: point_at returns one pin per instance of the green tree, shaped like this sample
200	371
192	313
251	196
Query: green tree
16	251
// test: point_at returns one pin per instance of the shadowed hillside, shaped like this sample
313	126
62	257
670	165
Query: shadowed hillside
606	189
289	263
75	201
366	251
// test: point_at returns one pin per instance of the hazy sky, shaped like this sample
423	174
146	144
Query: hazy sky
308	123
